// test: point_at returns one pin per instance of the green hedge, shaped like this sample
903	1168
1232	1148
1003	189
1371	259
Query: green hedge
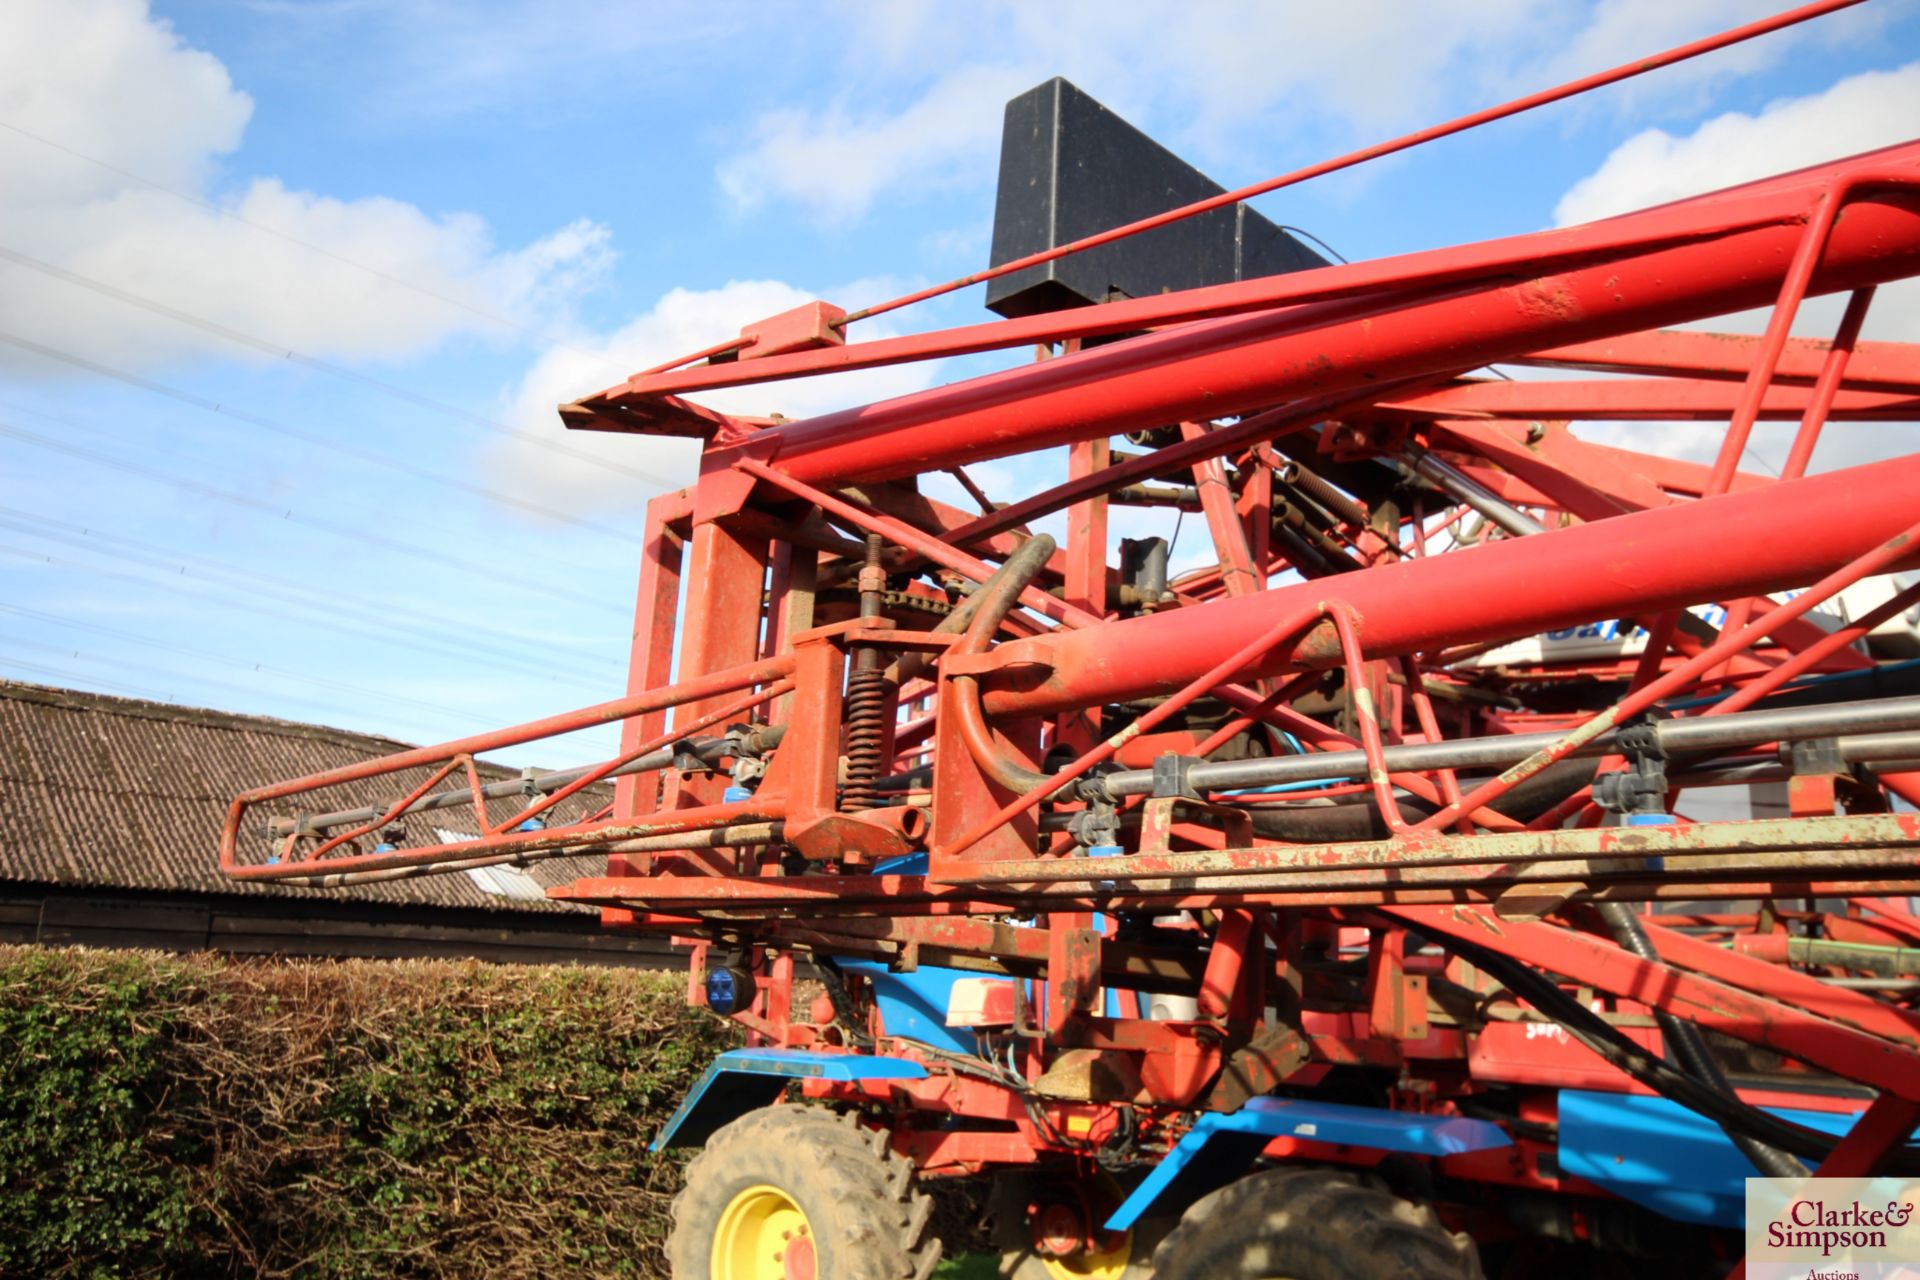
168	1116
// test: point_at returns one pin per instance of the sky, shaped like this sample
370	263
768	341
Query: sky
289	288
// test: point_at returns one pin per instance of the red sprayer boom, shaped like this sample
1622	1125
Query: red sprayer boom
1485	794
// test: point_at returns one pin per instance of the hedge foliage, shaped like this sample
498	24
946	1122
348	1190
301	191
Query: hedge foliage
188	1117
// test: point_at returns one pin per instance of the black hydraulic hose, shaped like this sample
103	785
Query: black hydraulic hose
1690	1046
1330	823
1597	1034
1360	819
846	1014
997	598
909	665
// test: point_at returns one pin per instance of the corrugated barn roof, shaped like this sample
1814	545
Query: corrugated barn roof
104	791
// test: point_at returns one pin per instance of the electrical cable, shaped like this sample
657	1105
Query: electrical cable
68	676
208	655
373	458
279	352
1298	231
95	571
177	565
846	1013
443	558
171	675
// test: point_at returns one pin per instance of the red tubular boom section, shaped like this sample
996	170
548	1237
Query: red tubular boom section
1450	679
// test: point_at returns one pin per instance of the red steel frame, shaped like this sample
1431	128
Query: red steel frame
1342	605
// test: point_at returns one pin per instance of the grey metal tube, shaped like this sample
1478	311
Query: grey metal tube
1874	748
1739	729
1316	488
748	833
539	784
1461	487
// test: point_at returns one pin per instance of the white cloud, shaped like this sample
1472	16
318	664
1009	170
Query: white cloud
1222	74
834	162
1859	113
107	80
1874	109
682	320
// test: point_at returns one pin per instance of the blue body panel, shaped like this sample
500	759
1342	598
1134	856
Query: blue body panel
1219	1147
743	1080
914	1004
1663	1157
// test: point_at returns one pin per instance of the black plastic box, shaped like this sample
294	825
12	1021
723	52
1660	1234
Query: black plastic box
1070	167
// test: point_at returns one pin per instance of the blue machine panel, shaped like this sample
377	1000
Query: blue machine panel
1663	1157
743	1080
1219	1147
914	1004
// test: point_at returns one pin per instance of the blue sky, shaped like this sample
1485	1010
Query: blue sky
287	290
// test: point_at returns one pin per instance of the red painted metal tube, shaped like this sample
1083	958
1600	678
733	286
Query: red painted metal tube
707	686
1661	272
1775	980
1460	124
1832	375
1233	728
1892	367
706	720
1278	636
1223	440
1746	543
1652	399
1897	548
618	709
395	809
1887	1124
902	534
1853	1054
578	836
1804	661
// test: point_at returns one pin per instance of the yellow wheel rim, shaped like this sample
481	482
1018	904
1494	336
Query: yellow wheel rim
1104	1264
763	1235
1109	1264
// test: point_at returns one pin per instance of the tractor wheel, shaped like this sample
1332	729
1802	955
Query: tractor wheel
1312	1224
800	1193
1010	1212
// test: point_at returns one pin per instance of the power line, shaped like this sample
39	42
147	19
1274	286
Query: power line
224	659
427	554
120	664
325	366
371	457
64	674
331	711
233	580
210	207
69	678
464	650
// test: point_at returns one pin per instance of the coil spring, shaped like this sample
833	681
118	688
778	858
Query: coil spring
869	705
